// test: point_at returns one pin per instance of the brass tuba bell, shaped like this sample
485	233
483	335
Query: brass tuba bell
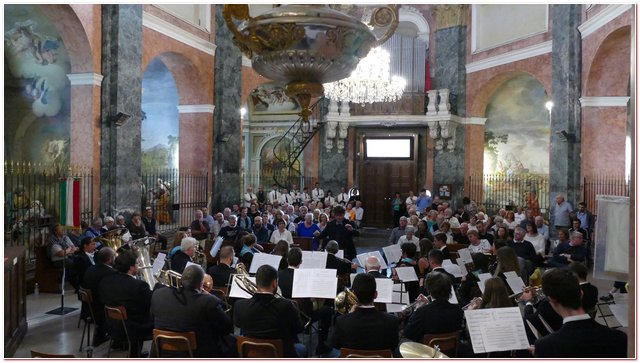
345	300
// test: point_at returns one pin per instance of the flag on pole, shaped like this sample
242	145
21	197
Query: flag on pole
70	202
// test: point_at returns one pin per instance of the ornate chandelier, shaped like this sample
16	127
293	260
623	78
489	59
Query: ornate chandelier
370	82
304	46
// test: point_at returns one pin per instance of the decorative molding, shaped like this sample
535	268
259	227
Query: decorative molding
246	62
510	57
85	79
205	108
601	18
474	121
604	101
413	15
164	27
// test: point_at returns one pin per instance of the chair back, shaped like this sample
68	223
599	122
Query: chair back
362	353
447	342
116	312
220	292
268	247
87	299
306	243
260	348
166	340
37	354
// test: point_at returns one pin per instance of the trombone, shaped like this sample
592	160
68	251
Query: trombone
173	279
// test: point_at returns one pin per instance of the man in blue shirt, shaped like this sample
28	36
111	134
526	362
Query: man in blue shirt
424	201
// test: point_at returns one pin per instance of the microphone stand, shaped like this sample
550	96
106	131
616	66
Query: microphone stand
62	310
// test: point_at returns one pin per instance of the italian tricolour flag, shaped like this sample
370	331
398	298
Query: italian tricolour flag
70	202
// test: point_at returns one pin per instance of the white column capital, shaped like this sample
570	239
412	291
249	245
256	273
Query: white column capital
85	79
604	101
204	108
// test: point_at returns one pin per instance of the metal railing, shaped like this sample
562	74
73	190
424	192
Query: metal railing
496	191
32	201
174	196
593	185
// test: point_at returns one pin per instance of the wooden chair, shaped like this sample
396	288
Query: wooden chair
48	276
361	353
117	314
268	247
260	348
37	354
165	340
448	342
87	302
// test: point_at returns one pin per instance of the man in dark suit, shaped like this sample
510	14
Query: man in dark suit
123	289
343	266
580	336
523	248
84	258
104	261
189	308
436	258
323	314
437	317
440	243
589	291
266	317
223	270
188	247
341	230
365	327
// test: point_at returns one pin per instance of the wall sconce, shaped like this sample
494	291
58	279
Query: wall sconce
566	136
120	118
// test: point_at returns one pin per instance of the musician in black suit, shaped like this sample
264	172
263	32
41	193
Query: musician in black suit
365	327
440	243
123	289
437	317
372	267
589	291
266	317
323	314
188	247
83	258
189	308
580	336
104	267
341	230
342	265
223	270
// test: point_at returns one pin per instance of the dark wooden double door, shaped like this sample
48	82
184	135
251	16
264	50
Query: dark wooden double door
379	180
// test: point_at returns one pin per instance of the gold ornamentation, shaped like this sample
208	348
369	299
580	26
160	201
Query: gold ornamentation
448	16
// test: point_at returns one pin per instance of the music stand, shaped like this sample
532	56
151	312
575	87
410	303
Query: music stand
62	310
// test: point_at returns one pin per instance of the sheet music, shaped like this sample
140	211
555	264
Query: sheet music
314	259
496	330
463	268
340	254
397	287
261	259
352	276
216	247
321	283
483	278
190	264
158	263
385	290
446	262
236	291
392	253
395	308
516	284
406	274
235	262
621	312
400	298
362	258
453	269
465	255
453	298
510	274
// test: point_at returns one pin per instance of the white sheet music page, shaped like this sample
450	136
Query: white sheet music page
395	308
236	291
261	259
400	297
453	269
392	253
483	278
465	255
496	330
158	263
516	284
510	274
463	268
314	259
406	274
362	258
352	276
190	264
453	298
216	247
385	290
340	253
321	283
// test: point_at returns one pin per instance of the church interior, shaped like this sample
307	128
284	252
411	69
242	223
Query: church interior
169	113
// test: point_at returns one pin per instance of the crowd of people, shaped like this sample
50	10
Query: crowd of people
429	233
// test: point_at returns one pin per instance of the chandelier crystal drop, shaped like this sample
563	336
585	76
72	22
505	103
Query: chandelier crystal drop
369	82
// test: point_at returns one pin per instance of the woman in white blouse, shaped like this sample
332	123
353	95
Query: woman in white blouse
281	233
477	245
409	237
536	239
329	201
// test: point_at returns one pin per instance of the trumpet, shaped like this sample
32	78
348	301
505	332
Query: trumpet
421	301
537	294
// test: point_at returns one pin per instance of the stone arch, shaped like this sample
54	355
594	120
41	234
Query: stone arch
73	35
190	84
413	15
258	152
609	72
479	103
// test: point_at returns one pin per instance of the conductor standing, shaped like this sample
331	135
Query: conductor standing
341	230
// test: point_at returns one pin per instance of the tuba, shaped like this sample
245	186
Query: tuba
112	238
345	300
142	251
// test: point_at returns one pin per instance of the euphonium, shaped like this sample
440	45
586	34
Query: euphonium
112	238
345	300
169	278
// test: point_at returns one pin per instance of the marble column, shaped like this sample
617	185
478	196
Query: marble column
227	137
566	72
121	109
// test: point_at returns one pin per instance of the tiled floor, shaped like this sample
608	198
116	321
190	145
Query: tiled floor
61	334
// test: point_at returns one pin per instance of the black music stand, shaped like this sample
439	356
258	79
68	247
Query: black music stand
62	310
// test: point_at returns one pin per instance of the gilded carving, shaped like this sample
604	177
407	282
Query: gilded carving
448	16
